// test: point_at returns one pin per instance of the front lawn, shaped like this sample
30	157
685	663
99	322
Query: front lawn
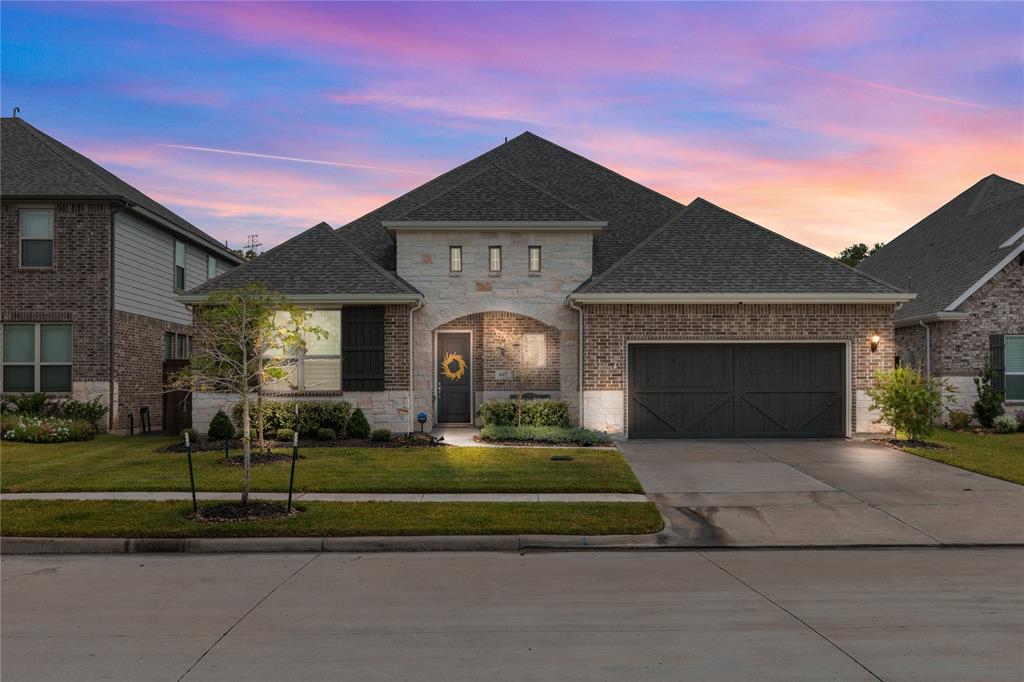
992	454
131	519
119	463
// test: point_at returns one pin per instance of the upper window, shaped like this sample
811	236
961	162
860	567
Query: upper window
455	258
1013	353
36	237
37	358
211	267
179	265
534	259
494	259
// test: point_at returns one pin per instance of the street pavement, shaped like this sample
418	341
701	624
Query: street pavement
898	614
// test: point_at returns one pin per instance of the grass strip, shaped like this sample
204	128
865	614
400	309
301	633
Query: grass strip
992	454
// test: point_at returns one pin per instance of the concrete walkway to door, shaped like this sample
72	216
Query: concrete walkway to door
820	493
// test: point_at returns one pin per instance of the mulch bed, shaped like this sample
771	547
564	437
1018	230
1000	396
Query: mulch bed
416	441
235	511
897	444
541	443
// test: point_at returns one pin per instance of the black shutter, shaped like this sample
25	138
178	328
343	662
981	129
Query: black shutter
362	348
998	361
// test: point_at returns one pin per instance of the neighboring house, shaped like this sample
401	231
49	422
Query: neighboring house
695	322
90	270
965	261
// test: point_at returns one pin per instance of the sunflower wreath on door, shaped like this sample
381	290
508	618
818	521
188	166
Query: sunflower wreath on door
453	367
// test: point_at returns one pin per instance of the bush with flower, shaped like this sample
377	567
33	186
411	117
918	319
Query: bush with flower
34	429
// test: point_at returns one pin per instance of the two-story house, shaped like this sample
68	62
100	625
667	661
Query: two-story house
648	317
89	271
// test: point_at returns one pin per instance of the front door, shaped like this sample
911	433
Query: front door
454	383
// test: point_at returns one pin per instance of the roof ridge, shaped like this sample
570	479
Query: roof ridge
402	284
989	182
543	191
802	246
446	192
629	254
58	147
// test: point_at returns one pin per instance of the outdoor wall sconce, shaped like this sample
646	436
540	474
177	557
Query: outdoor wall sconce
874	343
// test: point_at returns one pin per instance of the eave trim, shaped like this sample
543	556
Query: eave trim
299	299
737	298
985	278
940	316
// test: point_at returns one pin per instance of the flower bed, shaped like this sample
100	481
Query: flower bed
543	435
30	429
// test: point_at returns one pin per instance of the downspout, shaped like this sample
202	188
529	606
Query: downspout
110	335
412	416
927	349
579	353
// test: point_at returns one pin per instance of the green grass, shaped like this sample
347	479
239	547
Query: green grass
992	454
119	518
118	463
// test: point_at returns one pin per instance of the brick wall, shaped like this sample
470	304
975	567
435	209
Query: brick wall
76	289
396	347
607	328
138	366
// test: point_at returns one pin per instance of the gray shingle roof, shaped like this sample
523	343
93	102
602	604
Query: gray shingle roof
34	165
317	262
946	253
631	210
706	249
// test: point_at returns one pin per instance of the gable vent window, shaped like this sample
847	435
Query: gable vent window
534	259
36	237
455	258
494	259
179	265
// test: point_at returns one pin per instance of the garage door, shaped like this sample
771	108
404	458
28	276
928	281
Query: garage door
742	390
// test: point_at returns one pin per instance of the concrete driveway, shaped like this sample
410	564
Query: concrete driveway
820	493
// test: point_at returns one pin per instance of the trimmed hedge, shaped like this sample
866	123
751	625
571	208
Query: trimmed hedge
313	416
554	435
535	413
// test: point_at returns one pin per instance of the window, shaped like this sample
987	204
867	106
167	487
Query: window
168	346
36	237
318	367
179	265
535	350
37	357
455	258
211	267
1013	353
494	259
181	351
534	259
177	346
363	345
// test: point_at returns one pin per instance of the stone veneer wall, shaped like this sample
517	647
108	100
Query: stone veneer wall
607	328
138	370
960	348
75	290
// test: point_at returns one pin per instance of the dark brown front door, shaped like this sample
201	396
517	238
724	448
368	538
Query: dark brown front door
742	390
454	380
177	404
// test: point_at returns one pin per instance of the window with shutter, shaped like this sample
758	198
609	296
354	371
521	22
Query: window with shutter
1013	367
362	348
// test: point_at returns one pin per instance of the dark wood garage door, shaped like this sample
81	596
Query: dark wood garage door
742	390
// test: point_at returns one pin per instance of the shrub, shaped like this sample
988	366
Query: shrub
959	420
908	401
221	427
90	411
535	413
30	404
326	434
556	435
358	427
193	435
313	415
989	404
1020	420
1005	423
35	429
285	435
380	435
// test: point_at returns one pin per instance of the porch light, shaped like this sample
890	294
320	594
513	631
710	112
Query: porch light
874	343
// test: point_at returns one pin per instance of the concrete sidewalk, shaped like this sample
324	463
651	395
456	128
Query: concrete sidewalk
338	497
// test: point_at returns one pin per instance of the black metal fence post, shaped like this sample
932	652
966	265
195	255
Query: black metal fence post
191	475
291	479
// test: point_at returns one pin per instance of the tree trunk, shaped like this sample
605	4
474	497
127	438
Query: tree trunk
246	448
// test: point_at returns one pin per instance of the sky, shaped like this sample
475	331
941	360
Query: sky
831	123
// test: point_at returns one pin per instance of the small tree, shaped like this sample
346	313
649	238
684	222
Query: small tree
989	404
512	347
221	428
908	401
854	254
243	338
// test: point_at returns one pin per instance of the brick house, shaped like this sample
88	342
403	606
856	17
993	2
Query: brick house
531	268
965	261
89	273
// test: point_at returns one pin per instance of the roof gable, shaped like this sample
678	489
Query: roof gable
315	263
706	249
35	165
952	249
